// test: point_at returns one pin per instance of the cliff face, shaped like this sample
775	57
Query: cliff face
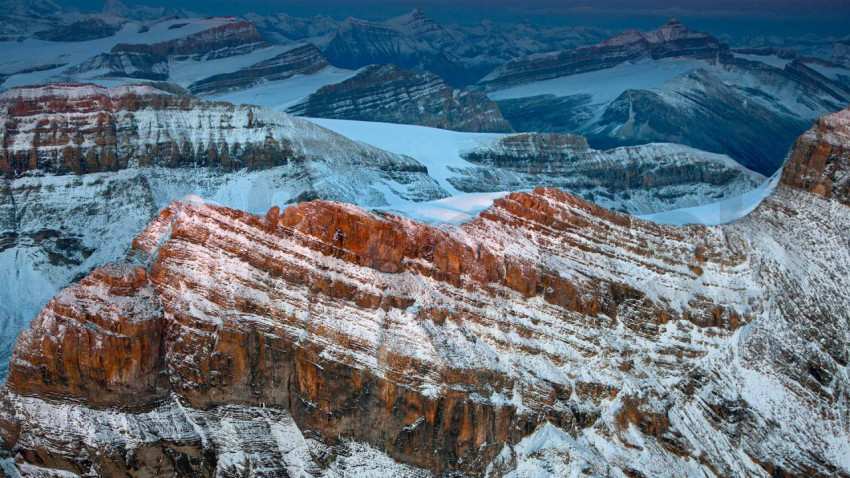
548	333
86	128
84	169
820	161
635	179
300	60
672	40
392	95
234	38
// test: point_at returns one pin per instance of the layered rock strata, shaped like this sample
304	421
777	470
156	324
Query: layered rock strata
605	343
387	93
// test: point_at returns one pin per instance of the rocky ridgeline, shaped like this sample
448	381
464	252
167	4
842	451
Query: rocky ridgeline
72	128
673	40
152	61
387	93
300	60
640	349
83	169
234	38
634	179
721	101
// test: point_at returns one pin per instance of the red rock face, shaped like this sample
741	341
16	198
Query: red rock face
820	160
229	294
72	128
445	348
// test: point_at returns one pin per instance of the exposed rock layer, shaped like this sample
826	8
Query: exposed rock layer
445	348
392	95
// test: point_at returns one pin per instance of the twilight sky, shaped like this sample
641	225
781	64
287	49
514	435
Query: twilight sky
736	18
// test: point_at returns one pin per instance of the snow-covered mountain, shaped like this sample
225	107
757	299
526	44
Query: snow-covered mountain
673	85
547	336
460	55
387	93
86	167
21	18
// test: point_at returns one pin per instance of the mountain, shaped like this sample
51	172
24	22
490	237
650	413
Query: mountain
460	55
21	18
143	12
412	41
672	85
672	40
230	39
283	28
389	94
303	59
639	180
547	334
636	180
91	27
85	168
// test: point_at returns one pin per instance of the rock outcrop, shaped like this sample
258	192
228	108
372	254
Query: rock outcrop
820	161
634	179
300	60
673	40
232	38
85	168
386	93
549	334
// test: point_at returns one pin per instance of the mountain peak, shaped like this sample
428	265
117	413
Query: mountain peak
674	30
415	15
115	7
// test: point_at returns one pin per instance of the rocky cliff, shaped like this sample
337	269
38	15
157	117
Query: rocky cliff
233	38
635	179
300	60
152	61
386	93
547	334
672	85
83	165
78	128
672	40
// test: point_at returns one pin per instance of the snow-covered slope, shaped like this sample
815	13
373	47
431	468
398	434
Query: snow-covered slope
387	93
672	85
638	180
135	149
548	336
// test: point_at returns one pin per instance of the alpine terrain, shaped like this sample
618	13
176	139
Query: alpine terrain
355	239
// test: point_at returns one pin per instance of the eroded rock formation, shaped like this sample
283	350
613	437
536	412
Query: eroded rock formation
547	332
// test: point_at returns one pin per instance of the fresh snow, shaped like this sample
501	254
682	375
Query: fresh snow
452	210
606	85
721	212
31	53
280	95
438	149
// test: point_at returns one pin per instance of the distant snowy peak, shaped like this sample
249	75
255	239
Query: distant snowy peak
671	31
234	37
673	40
387	93
83	129
143	12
